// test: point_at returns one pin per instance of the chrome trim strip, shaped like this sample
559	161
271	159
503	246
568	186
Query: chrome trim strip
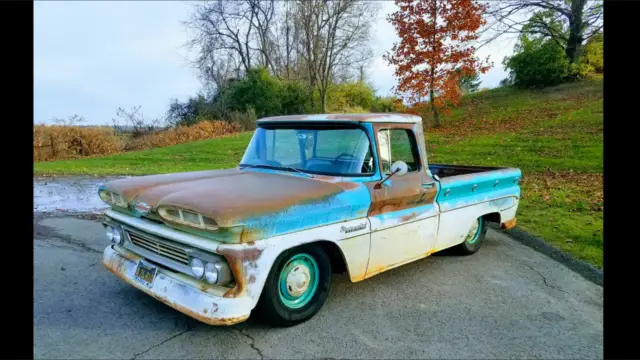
164	231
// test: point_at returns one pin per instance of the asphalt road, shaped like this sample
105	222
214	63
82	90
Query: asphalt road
506	301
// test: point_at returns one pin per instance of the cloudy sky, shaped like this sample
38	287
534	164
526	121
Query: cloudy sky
91	57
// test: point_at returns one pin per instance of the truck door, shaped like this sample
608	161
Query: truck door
403	212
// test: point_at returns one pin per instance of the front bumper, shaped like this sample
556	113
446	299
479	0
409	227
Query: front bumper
176	290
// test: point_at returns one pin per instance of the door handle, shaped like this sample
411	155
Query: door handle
428	185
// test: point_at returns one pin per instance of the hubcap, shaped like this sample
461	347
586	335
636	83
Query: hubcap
474	232
298	281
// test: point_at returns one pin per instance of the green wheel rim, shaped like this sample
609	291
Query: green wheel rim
298	281
474	233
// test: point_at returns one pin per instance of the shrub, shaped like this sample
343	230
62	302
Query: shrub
295	98
257	90
593	53
53	142
388	104
193	110
349	95
183	134
243	120
537	63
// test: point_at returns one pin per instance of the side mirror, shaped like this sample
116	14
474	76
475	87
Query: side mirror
397	168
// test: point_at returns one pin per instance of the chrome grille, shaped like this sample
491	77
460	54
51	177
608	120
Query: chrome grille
163	249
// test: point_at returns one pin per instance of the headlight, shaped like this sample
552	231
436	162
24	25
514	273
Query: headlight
112	198
211	273
186	217
197	267
114	234
110	231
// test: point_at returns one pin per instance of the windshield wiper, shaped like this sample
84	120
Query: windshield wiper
276	167
298	170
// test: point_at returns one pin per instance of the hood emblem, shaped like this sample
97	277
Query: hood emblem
142	208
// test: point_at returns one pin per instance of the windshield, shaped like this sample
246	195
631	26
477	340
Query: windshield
330	151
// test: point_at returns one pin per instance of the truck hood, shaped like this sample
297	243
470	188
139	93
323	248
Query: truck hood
265	202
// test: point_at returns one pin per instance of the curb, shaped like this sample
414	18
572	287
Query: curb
586	270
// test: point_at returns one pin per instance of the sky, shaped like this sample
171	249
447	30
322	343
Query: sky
92	57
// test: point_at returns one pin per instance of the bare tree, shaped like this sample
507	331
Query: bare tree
134	122
335	36
231	37
316	41
577	21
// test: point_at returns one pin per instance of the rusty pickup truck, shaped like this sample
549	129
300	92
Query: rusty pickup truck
313	195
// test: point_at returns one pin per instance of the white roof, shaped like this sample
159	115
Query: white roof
368	117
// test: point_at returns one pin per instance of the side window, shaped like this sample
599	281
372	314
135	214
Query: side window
397	144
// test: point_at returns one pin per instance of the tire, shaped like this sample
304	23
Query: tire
281	302
474	239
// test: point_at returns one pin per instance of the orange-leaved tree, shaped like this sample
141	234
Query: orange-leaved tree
435	38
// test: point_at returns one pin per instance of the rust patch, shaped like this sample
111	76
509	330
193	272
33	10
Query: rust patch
509	224
116	269
251	280
399	198
408	217
236	257
348	185
347	117
129	256
198	316
129	188
243	196
406	191
237	268
238	194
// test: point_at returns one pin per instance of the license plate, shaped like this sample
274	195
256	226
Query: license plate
145	274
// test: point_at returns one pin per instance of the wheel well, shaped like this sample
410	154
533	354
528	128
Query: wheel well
493	217
338	264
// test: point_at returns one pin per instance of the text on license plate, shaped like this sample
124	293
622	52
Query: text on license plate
145	273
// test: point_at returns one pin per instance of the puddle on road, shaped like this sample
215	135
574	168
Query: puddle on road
72	194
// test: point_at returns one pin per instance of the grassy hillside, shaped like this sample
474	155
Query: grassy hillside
554	135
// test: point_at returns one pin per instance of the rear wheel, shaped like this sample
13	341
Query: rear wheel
297	286
474	238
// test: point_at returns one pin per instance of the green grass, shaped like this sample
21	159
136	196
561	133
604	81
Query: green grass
199	155
553	135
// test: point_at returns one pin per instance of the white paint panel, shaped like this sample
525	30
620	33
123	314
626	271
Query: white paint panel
455	224
396	245
355	245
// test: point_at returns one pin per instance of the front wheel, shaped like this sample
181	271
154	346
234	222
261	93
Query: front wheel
474	238
297	286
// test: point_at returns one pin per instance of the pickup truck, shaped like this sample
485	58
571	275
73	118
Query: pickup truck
314	195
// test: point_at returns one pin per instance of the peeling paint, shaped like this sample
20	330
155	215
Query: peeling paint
261	213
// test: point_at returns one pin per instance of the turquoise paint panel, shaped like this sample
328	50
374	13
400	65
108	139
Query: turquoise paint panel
458	188
347	205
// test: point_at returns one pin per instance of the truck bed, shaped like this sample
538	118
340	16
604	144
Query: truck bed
462	185
443	171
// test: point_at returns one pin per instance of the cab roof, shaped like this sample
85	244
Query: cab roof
368	117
